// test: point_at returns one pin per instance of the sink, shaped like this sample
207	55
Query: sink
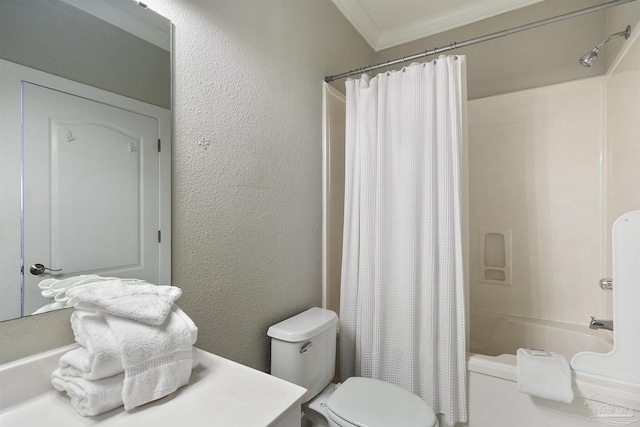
220	393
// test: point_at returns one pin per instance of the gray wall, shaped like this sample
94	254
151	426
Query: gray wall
247	191
533	58
34	334
51	36
247	162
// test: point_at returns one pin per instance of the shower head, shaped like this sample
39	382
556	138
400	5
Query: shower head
588	58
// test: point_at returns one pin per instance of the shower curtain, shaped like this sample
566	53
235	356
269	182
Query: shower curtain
402	287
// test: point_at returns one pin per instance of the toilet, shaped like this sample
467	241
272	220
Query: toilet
303	350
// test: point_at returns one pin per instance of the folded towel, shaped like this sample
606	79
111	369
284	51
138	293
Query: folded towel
57	288
145	303
544	374
157	360
50	307
52	287
81	363
99	357
90	398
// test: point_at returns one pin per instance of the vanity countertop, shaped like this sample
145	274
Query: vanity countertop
220	393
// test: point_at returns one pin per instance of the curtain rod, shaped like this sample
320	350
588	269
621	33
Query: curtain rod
481	39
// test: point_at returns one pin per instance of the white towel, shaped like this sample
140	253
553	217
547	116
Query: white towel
99	357
90	398
157	360
57	288
52	287
50	307
145	303
544	374
81	363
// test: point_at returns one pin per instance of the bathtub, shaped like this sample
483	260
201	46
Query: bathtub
495	334
494	400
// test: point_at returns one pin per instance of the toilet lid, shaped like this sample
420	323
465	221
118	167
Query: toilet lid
366	402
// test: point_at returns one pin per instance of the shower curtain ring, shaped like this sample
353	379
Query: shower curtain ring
455	52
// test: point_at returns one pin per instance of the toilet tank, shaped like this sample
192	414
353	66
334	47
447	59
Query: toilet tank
303	349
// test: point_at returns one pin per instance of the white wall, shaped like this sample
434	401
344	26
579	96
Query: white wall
247	156
535	169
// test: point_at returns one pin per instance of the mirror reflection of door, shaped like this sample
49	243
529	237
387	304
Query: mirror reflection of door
90	175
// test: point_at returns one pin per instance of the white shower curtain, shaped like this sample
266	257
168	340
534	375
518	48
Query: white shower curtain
402	293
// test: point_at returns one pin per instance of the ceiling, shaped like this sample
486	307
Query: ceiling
388	23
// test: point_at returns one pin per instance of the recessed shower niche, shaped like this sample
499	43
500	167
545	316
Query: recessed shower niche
494	256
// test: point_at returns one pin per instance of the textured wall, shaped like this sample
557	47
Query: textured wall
247	161
247	199
34	334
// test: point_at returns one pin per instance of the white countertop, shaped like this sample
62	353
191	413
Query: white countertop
220	393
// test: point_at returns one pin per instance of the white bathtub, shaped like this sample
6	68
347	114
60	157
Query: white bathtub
494	400
495	334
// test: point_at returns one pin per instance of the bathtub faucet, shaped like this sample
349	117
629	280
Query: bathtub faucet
601	324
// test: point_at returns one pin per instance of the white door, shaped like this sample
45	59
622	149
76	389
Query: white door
90	176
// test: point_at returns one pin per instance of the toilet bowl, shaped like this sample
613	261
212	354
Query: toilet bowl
303	352
315	410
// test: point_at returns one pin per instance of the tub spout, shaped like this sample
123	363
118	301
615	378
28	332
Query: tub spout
601	324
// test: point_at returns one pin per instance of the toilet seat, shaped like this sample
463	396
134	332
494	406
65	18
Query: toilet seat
373	403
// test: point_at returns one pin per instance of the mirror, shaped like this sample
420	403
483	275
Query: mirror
85	143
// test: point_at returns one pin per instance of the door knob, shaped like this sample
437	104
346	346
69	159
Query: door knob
38	269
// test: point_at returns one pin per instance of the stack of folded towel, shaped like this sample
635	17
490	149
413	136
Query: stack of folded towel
136	346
